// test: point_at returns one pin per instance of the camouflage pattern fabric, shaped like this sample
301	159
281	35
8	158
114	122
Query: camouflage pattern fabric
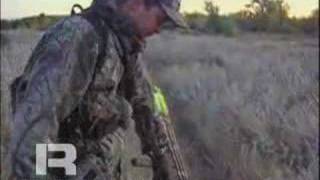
50	88
70	93
109	163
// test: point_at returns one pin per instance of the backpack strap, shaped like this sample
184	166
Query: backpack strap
102	29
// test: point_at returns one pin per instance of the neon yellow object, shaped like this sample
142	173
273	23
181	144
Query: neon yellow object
159	102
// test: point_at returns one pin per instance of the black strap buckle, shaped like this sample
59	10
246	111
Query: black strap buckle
74	9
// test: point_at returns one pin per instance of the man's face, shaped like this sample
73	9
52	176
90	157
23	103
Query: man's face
147	19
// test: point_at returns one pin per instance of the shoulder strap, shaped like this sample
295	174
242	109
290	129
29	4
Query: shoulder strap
102	29
97	23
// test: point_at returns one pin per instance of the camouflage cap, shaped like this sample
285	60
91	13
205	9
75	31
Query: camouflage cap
171	7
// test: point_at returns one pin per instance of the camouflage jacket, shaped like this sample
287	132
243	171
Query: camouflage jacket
69	91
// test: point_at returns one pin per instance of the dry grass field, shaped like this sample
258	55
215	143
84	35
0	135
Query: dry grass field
244	108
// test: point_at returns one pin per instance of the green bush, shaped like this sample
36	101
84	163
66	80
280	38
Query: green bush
196	21
226	26
222	25
287	28
219	24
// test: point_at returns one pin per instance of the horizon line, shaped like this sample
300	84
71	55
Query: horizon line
183	12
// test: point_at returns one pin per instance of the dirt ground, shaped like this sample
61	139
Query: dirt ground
244	108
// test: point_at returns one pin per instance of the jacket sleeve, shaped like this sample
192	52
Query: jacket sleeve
52	85
137	89
149	128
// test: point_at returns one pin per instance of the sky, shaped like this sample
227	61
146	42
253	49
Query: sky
11	9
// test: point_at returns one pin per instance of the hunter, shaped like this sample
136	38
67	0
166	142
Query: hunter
83	84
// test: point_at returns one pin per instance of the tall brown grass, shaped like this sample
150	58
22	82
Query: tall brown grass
244	108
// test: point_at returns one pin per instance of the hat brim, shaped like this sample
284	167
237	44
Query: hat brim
175	17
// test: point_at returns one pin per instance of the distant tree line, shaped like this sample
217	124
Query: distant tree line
257	16
40	22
